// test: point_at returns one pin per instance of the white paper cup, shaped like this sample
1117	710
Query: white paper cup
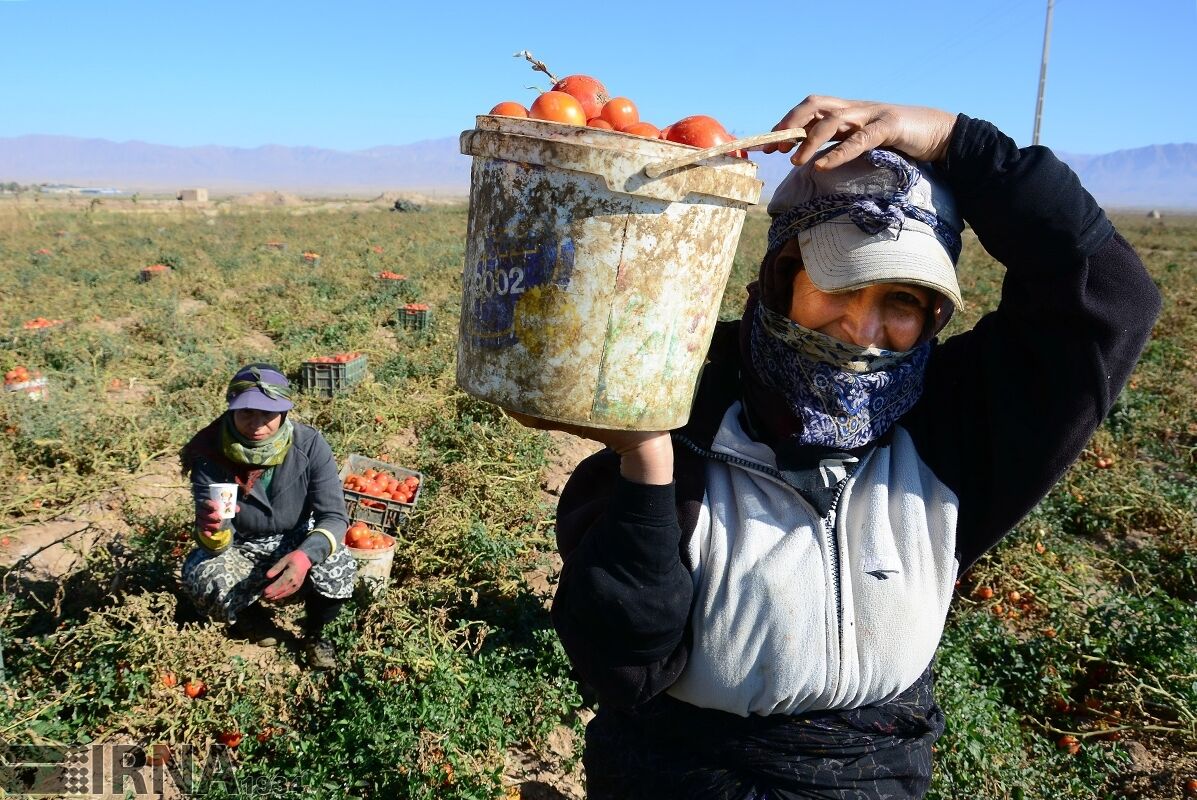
225	497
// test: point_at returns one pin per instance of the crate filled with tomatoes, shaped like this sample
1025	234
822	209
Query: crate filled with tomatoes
30	384
413	316
148	274
42	324
379	494
327	376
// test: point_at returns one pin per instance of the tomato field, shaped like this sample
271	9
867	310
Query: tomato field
1068	668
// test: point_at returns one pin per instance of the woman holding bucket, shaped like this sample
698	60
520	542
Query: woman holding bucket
757	597
286	531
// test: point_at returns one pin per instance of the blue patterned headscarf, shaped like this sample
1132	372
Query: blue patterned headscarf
844	396
872	213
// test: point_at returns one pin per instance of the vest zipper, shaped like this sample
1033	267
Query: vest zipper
834	540
739	462
828	521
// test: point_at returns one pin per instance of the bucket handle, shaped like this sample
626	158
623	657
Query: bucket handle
659	168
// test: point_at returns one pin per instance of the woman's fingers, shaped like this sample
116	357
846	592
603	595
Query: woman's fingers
810	110
859	125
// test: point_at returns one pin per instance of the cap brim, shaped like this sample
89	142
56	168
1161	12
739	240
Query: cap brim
838	257
257	400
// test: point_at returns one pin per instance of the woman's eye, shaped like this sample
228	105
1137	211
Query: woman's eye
909	299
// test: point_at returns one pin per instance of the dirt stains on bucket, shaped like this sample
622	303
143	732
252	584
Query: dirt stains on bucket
544	319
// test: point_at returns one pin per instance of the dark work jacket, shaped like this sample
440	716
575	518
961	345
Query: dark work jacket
306	486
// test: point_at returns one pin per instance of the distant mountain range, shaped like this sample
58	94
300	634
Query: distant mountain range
1159	176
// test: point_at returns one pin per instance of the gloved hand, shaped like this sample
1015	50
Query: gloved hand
291	570
208	532
208	519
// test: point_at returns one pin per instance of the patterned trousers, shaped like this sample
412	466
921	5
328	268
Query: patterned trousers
224	584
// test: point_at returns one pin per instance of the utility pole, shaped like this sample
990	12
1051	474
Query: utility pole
1047	40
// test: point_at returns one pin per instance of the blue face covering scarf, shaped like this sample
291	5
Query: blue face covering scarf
845	396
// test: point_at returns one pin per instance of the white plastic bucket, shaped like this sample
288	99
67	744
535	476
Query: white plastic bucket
590	291
374	567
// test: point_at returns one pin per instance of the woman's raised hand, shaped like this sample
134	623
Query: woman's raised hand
645	456
860	125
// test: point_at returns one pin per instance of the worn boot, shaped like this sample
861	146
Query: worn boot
319	652
255	625
318	649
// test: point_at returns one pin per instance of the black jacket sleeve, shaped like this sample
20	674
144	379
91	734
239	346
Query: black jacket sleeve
623	600
1010	404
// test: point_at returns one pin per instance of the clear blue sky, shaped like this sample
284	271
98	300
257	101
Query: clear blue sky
352	75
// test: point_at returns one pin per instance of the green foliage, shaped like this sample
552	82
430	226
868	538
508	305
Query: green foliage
458	662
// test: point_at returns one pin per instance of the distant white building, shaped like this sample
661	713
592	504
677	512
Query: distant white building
194	195
59	188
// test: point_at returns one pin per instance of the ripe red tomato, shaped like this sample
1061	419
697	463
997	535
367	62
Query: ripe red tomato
699	131
599	122
157	754
645	129
229	738
194	689
620	112
589	91
169	680
509	108
558	107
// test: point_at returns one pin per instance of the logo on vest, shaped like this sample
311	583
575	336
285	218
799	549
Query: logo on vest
882	574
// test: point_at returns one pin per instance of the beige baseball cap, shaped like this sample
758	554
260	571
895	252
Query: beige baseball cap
879	218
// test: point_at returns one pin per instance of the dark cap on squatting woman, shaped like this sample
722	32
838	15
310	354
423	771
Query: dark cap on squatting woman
261	387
